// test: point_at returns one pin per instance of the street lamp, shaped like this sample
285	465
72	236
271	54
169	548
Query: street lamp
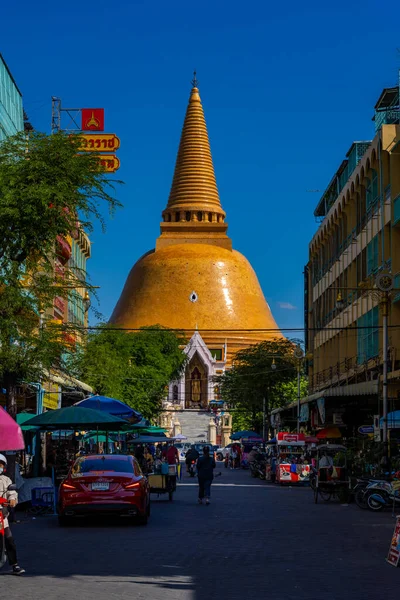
273	368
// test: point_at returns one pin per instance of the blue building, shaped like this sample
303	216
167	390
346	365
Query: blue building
11	111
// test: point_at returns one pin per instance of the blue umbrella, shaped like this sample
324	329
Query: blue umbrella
393	420
113	407
245	434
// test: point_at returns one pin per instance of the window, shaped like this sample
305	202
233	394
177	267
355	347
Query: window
210	217
372	255
216	353
199	216
177	216
188	216
175	393
368	335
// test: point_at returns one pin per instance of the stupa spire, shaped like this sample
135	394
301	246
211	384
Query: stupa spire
194	186
194	210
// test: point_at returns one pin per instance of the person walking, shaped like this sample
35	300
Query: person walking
205	474
12	498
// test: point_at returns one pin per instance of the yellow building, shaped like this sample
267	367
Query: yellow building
358	238
193	280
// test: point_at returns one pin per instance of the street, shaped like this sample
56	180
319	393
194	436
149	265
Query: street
254	541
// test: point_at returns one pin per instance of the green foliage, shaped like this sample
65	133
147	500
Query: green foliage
45	186
266	370
133	367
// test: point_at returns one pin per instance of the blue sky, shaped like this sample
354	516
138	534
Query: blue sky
285	90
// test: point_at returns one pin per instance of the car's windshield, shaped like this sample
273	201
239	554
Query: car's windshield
200	447
91	465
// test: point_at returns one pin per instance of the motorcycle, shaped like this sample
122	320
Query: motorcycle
3	515
192	468
381	495
365	488
257	468
359	492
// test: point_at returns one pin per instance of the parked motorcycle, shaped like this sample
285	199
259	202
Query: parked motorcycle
257	468
366	487
382	495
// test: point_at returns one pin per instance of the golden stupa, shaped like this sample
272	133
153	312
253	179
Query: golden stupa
193	279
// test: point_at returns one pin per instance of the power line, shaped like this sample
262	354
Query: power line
180	330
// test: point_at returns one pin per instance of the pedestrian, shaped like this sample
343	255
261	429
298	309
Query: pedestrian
172	455
205	473
12	498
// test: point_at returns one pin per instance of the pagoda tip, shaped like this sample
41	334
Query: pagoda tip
194	81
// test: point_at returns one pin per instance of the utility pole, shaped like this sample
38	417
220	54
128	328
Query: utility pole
299	355
384	283
385	345
264	416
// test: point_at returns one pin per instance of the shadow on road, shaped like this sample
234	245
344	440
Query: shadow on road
254	540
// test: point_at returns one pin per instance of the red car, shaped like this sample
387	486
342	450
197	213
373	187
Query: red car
104	484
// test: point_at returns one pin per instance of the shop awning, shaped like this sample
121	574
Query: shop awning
365	388
329	433
68	381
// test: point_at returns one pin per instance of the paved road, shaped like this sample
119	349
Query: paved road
255	541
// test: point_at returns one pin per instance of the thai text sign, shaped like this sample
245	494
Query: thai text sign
99	142
109	162
394	549
51	396
92	119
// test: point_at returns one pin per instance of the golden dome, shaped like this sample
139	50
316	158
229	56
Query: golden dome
193	279
197	286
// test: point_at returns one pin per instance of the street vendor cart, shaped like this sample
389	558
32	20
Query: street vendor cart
163	482
291	464
331	479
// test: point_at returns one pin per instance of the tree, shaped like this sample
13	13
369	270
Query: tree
134	367
266	370
45	187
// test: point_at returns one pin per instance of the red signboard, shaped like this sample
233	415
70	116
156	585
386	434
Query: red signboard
290	437
92	119
393	557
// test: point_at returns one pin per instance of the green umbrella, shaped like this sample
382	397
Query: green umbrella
93	438
75	417
21	420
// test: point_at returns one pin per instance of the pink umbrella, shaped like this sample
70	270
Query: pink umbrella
11	437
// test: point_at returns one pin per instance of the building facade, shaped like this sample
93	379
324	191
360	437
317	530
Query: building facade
11	110
357	239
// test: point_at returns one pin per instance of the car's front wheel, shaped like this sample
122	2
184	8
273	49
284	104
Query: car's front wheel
220	456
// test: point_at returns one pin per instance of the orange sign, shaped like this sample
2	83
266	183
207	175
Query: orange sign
109	162
99	142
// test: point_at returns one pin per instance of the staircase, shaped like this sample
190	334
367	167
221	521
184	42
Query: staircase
194	424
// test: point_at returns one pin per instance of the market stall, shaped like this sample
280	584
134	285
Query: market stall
291	462
162	477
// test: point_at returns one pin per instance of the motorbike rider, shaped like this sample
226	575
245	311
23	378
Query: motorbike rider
191	456
12	498
252	455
